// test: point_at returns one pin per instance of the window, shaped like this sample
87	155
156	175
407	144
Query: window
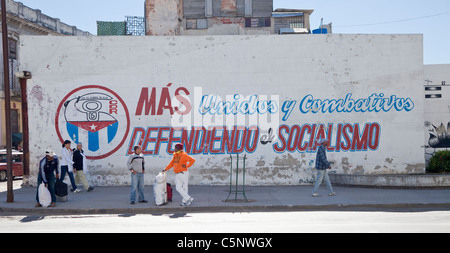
296	22
192	24
13	66
257	22
15	121
202	24
296	25
12	44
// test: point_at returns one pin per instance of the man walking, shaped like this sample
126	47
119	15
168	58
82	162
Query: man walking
79	167
136	164
180	163
47	168
322	165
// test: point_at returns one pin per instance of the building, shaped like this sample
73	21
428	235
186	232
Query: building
437	108
221	17
291	21
23	20
208	17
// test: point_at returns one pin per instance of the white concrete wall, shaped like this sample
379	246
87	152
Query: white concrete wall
375	81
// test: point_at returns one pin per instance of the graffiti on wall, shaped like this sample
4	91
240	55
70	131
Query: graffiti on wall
211	124
439	137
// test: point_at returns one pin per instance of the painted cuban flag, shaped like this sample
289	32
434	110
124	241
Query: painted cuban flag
87	118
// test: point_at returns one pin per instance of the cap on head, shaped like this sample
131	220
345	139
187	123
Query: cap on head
49	152
179	146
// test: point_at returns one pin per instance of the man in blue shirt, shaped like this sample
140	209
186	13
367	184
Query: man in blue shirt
47	167
322	165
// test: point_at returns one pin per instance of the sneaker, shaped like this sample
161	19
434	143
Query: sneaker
143	201
132	203
90	189
190	200
332	194
77	191
315	194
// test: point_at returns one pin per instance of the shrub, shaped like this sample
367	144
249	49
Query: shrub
440	162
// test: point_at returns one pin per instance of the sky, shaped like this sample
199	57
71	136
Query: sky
430	18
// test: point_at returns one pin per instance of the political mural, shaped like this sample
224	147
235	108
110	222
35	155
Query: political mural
222	96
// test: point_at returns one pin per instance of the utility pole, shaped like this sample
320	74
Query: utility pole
10	194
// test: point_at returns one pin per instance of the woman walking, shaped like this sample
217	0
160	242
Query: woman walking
67	164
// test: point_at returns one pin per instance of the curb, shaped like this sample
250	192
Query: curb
227	209
403	181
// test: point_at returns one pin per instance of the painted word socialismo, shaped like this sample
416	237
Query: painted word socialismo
221	136
221	139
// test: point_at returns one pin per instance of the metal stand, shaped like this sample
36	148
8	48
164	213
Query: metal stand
236	189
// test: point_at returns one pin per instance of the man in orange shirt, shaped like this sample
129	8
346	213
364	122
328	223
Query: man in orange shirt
180	163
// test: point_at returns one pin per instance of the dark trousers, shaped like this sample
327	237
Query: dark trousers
51	179
64	170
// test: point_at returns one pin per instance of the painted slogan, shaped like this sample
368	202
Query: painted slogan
214	124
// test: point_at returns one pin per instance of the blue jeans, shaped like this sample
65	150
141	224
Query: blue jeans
322	175
137	184
64	170
51	179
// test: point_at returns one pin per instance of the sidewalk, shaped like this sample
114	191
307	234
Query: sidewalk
115	200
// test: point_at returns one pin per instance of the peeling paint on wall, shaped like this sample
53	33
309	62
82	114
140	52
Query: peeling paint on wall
263	96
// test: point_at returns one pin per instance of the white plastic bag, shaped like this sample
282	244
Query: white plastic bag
45	198
160	178
159	189
85	167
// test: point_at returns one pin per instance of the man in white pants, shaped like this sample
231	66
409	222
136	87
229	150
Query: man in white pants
180	163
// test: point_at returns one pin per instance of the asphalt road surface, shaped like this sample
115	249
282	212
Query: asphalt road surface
254	222
258	222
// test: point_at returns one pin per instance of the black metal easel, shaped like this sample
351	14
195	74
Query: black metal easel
236	189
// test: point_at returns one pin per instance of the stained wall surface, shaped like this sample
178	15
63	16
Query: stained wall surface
271	98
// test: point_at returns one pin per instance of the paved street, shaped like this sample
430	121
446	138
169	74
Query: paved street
270	210
256	222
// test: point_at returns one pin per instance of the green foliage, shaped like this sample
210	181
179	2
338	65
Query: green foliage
440	162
